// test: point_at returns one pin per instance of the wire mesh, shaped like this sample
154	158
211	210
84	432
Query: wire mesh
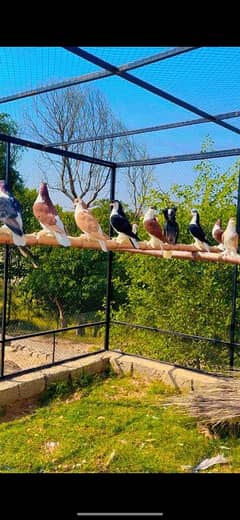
208	78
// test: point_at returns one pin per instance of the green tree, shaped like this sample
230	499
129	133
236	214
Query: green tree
69	281
9	127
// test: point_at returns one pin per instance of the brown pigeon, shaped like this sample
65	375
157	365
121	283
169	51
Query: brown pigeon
46	214
153	227
217	233
87	223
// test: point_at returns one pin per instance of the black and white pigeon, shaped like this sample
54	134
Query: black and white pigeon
121	225
11	216
201	241
170	228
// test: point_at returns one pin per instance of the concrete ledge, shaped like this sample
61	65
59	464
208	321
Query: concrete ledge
179	378
9	392
30	385
57	373
34	383
87	366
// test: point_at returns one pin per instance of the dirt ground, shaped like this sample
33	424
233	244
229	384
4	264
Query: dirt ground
31	352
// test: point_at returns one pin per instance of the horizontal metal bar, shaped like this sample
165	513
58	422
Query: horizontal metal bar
149	87
180	158
49	365
147	129
174	333
56	151
55	86
55	331
95	75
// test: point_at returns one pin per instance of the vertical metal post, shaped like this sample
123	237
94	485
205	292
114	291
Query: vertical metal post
54	347
5	272
109	267
234	288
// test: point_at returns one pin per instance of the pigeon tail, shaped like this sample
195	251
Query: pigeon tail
27	254
134	242
103	246
19	240
63	240
203	246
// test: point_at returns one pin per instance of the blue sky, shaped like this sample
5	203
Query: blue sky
208	77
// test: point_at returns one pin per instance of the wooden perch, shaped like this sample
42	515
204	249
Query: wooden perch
182	251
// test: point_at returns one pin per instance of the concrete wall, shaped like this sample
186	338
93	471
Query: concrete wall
35	383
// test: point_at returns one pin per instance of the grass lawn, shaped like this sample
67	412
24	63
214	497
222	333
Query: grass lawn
109	424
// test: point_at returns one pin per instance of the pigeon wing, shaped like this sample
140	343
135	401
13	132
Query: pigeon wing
198	233
153	228
45	215
121	225
7	209
87	222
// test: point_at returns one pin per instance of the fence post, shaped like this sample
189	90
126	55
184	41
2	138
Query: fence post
54	347
5	271
109	267
234	288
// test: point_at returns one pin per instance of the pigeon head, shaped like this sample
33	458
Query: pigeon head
195	216
43	190
115	204
170	214
150	214
232	222
80	203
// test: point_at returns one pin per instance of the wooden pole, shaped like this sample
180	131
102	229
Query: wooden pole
181	251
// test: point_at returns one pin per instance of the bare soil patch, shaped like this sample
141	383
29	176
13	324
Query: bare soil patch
32	352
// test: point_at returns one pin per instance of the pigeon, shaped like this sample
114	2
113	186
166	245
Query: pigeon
230	238
121	225
217	233
11	216
87	223
153	227
171	228
46	214
201	241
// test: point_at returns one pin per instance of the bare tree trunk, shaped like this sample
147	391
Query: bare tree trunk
62	319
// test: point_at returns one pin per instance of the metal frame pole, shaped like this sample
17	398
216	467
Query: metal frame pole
234	289
5	272
109	267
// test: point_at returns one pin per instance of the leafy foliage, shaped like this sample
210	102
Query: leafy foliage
9	127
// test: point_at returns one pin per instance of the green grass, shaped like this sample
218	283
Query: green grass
109	424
